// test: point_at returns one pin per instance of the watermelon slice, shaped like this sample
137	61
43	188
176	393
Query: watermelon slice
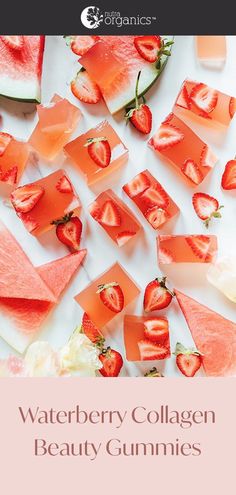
214	336
113	63
21	67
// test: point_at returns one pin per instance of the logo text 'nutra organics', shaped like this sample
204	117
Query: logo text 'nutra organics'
92	17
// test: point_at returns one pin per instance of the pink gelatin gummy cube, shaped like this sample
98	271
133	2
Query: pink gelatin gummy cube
115	217
186	249
211	50
14	155
175	141
146	338
152	200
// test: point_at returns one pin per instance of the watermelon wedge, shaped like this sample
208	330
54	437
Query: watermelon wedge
214	336
21	67
113	63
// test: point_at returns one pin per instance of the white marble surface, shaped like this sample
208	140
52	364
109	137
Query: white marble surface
138	256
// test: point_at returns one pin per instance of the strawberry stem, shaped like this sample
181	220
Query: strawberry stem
136	91
162	282
63	220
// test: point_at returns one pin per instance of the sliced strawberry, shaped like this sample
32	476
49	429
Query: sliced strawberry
228	180
109	214
156	216
148	47
30	224
157	295
137	185
200	245
112	362
183	99
81	44
124	237
191	170
204	98
154	373
99	151
188	360
25	198
166	137
5	139
156	330
10	177
165	256
92	332
141	118
149	351
64	185
112	296
85	89
208	158
69	230
232	106
13	42
155	196
206	207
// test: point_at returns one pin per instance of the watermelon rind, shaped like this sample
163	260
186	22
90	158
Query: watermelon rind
27	91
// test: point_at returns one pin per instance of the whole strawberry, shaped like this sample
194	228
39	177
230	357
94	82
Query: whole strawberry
112	362
140	116
188	361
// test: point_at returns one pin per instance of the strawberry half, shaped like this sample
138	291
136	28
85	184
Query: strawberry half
124	237
109	214
13	42
204	98
166	137
228	180
69	230
85	89
112	362
157	295
64	185
191	170
92	332
137	185
99	151
165	256
148	47
10	177
187	360
111	296
200	245
155	196
156	330
5	139
141	115
156	216
25	198
206	207
149	351
81	44
154	373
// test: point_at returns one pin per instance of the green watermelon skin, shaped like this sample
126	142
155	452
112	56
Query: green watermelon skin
21	71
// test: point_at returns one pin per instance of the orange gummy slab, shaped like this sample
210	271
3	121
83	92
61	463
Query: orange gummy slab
135	339
57	121
91	303
77	151
211	50
151	198
53	204
107	210
13	159
203	101
176	142
186	249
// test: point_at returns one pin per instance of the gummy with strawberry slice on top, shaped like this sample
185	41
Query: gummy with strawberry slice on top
107	295
151	198
186	249
115	217
203	101
41	203
146	338
56	123
14	155
98	152
176	142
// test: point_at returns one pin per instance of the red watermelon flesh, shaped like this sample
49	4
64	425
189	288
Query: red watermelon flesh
21	70
21	318
214	336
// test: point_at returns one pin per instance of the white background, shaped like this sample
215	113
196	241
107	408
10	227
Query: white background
139	255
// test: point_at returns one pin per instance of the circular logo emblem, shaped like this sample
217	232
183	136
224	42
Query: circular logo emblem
91	17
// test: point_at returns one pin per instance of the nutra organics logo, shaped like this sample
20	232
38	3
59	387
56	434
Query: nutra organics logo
92	17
